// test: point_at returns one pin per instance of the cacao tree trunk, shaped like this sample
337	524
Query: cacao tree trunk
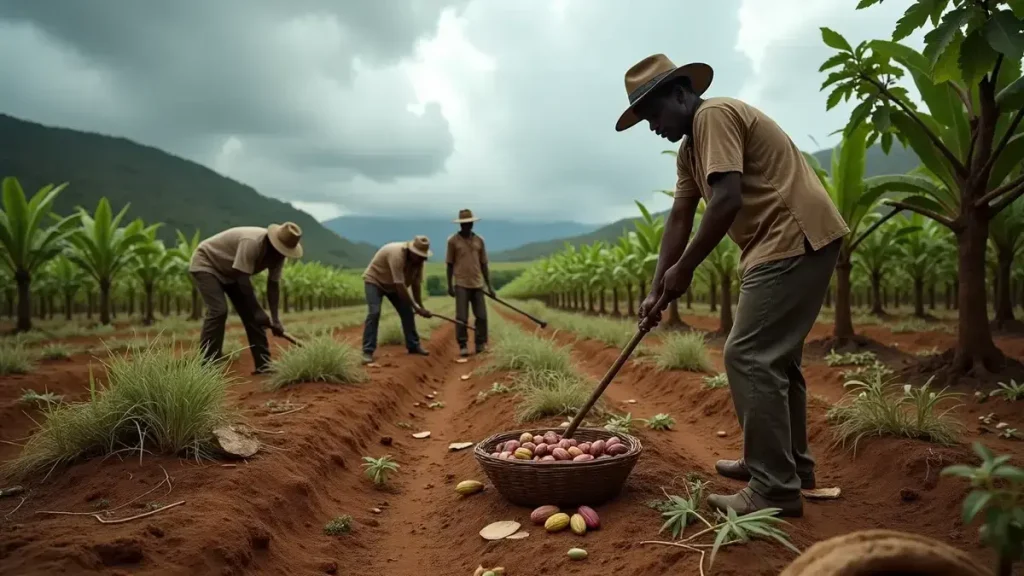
876	294
105	301
630	301
23	281
615	301
919	297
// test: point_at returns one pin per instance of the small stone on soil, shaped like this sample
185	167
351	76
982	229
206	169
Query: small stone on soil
415	405
376	510
329	567
631	401
386	440
721	433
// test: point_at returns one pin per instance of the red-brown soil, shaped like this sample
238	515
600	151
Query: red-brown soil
266	515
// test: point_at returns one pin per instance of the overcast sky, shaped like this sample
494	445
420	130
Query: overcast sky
409	107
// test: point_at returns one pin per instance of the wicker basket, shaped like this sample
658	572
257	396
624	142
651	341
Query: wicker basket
530	483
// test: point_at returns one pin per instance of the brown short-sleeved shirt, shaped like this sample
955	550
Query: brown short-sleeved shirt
235	252
467	257
391	265
783	200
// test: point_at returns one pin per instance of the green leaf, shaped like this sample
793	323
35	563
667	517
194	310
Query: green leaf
1007	161
1003	32
1011	97
880	119
834	98
974	503
922	145
977	58
943	38
962	470
859	115
983	452
887	142
1018	8
1010	473
865	3
834	60
835	40
914	18
833	78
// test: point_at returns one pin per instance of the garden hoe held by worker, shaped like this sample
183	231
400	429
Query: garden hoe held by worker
760	192
395	270
469	281
221	268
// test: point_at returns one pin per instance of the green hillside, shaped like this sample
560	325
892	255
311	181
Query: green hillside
898	161
160	187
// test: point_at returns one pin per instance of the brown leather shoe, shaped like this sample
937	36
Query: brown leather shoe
737	470
746	501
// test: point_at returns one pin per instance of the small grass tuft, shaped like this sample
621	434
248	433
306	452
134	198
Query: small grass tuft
875	408
321	359
683	352
546	393
154	401
620	424
15	358
518	350
56	351
338	526
850	358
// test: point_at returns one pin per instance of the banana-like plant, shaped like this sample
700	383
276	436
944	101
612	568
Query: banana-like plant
877	255
27	242
70	279
922	250
186	248
103	248
1006	236
151	264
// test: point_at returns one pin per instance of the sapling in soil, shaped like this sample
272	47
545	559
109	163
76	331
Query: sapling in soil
659	422
998	497
620	424
716	381
1011	391
380	469
850	358
44	400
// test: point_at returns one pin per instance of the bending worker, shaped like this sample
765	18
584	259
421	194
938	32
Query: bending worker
395	268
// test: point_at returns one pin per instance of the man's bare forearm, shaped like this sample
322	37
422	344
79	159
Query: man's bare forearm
673	242
719	215
487	274
273	297
249	296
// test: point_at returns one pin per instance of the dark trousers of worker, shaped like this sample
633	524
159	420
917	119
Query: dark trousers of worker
778	304
464	298
215	296
375	296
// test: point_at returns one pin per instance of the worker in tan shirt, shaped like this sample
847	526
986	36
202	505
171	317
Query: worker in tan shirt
221	268
395	268
761	192
468	281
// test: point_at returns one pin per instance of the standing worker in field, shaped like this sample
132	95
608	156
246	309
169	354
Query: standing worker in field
222	266
761	191
467	266
395	268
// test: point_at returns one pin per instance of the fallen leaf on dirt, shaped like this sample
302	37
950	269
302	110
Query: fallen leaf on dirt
721	433
461	360
239	441
459	446
421	435
376	510
631	401
430	396
373	365
500	530
518	535
465	376
822	493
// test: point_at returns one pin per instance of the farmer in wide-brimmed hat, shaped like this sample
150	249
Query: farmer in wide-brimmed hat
221	269
468	279
761	191
395	268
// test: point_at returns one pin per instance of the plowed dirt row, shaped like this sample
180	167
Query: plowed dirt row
890	483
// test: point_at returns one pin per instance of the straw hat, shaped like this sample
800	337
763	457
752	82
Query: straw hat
286	238
420	246
654	71
465	215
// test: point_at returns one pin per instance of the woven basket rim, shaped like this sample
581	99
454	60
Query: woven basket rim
634	444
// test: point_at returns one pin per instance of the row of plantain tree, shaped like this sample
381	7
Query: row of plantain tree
955	221
101	262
